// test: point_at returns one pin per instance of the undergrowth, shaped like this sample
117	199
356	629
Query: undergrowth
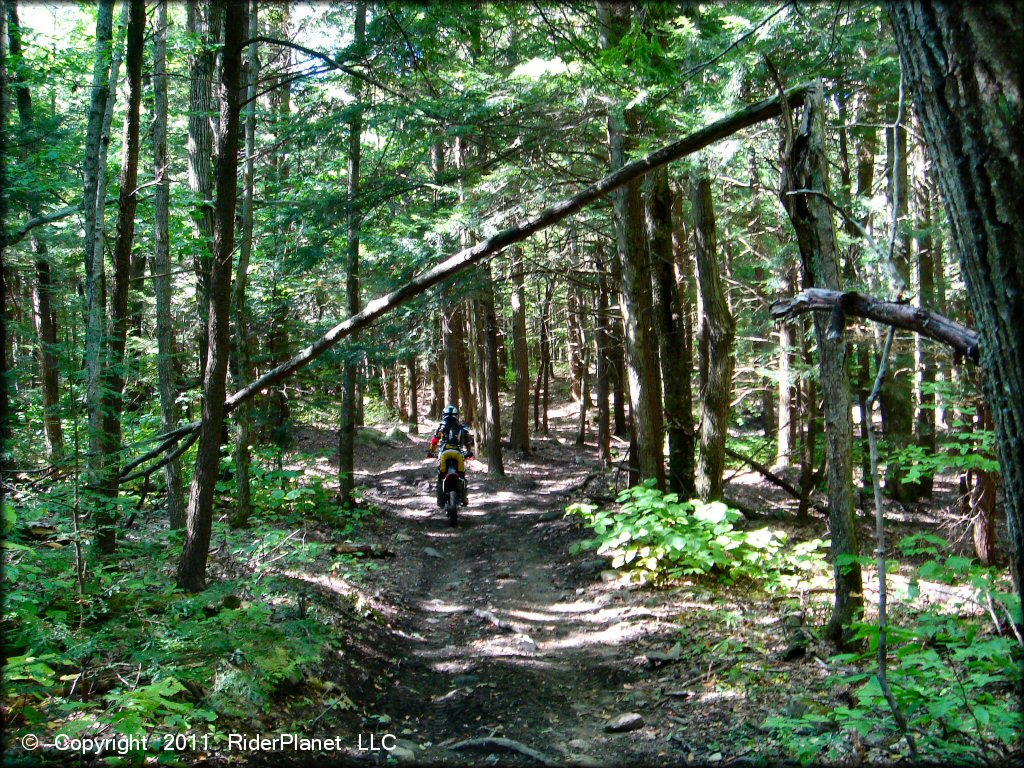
660	538
954	667
954	672
126	653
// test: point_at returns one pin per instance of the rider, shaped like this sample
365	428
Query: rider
451	433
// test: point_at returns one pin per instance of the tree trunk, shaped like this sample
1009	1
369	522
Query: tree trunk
643	365
671	329
787	419
161	269
464	365
684	285
94	168
923	350
242	366
867	148
585	402
540	402
717	331
399	379
636	303
113	367
962	64
807	424
414	405
980	499
5	404
192	568
346	434
42	289
519	436
280	163
574	335
453	369
491	403
805	167
602	337
203	25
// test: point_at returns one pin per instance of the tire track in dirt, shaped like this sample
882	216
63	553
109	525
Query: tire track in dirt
499	633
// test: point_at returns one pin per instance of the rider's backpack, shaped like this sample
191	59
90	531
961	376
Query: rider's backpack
451	430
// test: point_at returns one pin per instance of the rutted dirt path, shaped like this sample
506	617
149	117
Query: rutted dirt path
498	632
493	631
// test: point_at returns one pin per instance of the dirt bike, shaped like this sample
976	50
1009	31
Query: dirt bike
451	471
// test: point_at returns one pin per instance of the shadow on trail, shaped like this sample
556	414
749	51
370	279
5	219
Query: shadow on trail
499	634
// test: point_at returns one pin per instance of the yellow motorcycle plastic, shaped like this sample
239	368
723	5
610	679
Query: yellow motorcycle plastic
451	453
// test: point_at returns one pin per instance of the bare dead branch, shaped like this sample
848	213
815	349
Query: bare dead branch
964	341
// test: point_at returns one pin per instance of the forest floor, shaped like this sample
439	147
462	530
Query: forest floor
499	641
493	631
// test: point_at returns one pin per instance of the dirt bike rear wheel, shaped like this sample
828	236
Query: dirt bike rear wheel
452	507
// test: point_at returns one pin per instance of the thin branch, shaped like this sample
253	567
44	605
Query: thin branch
46	218
883	682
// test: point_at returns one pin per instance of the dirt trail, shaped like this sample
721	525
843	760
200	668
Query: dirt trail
498	632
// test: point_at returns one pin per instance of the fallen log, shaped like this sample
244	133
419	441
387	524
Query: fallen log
964	341
369	550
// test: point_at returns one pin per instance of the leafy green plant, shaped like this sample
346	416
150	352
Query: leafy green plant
952	677
660	538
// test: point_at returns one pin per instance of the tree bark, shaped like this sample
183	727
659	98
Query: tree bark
94	166
717	331
964	341
192	568
684	282
787	417
671	332
923	353
963	70
519	436
203	25
492	405
897	397
540	402
114	366
347	431
5	405
805	167
602	339
42	289
161	269
414	405
242	365
636	302
643	366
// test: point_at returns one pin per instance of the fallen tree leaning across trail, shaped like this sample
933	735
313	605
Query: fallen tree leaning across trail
373	310
964	341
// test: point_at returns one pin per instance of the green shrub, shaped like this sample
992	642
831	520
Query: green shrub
662	538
